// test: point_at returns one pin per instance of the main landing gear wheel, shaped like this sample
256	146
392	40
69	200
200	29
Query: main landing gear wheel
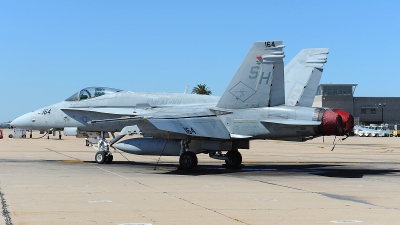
100	157
188	160
234	158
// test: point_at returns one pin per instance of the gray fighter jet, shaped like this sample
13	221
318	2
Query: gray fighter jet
252	107
5	125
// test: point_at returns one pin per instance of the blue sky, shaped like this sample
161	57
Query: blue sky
52	49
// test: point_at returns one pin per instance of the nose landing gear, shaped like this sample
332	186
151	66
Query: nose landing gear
103	154
102	157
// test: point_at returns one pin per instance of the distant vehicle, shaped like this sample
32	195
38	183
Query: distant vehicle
18	133
373	131
357	130
396	130
386	132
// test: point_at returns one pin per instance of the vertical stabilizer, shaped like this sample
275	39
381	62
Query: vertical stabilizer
259	81
302	76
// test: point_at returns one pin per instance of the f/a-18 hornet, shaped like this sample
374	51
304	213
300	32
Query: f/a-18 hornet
252	107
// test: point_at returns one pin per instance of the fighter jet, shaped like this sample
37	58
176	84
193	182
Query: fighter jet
252	107
5	125
302	76
300	73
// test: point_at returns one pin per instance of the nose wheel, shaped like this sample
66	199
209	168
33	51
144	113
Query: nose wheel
102	157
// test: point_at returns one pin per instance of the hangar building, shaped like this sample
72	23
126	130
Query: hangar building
366	110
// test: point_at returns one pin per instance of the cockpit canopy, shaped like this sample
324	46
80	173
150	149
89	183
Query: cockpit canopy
91	92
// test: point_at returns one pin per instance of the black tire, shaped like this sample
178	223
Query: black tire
109	159
234	158
23	136
100	157
188	160
10	136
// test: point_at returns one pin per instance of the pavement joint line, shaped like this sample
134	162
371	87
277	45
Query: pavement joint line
4	206
127	178
123	177
338	197
215	211
172	195
61	153
58	152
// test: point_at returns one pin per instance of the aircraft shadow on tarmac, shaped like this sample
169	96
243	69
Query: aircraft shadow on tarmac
326	170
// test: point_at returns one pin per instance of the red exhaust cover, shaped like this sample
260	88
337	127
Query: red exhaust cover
332	124
348	119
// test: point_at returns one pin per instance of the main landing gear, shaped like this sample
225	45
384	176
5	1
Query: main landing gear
232	158
103	154
188	159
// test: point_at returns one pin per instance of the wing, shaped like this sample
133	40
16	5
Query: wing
197	122
209	126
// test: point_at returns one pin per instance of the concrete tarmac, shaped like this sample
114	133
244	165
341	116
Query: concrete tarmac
52	181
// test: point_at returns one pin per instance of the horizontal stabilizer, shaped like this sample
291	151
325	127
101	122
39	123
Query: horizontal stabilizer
292	122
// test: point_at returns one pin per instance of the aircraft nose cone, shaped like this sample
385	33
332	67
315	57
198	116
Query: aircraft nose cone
23	122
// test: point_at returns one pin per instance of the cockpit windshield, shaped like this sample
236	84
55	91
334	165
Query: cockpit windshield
91	92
